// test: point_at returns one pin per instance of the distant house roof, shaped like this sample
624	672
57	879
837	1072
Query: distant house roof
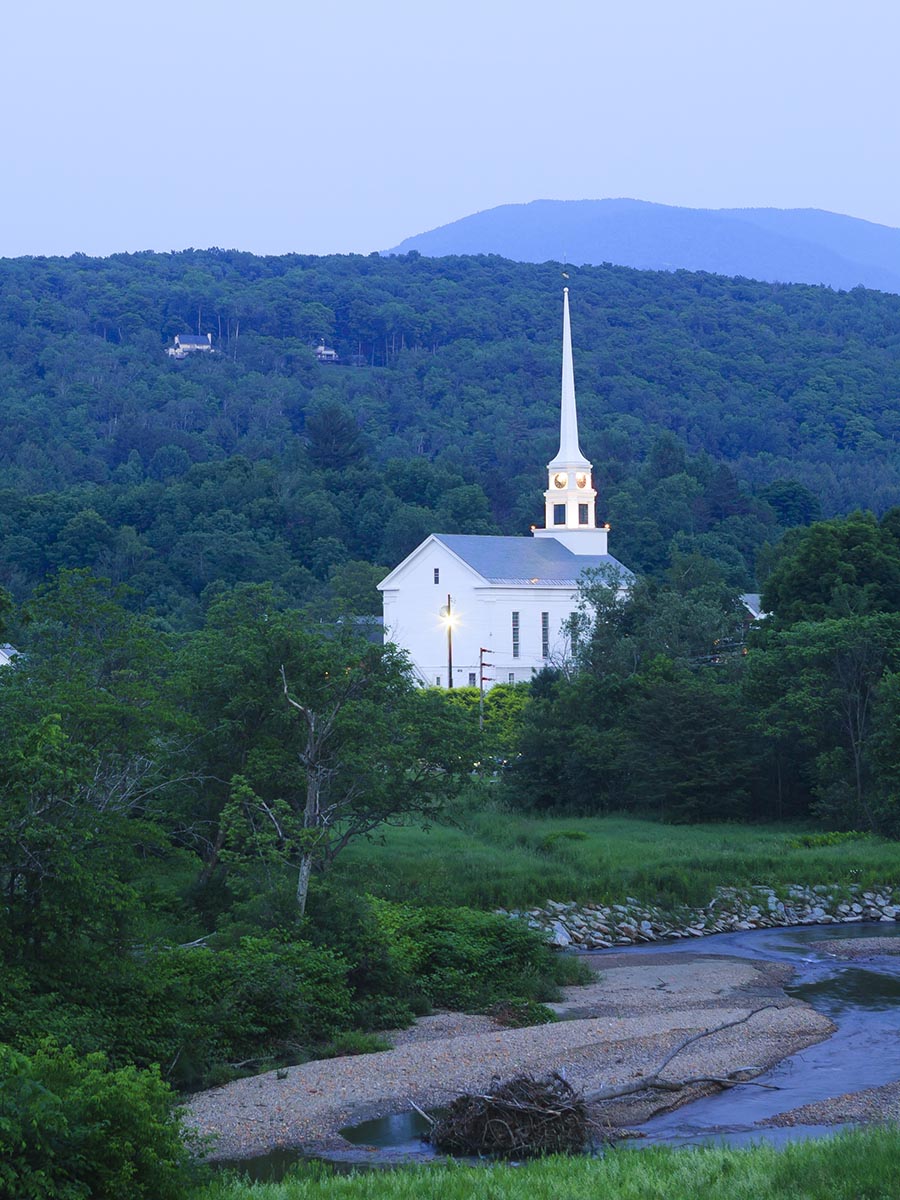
191	339
751	601
522	560
7	654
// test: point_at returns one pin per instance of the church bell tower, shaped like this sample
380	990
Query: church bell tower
570	499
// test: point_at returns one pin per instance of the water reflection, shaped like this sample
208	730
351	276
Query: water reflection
856	987
396	1130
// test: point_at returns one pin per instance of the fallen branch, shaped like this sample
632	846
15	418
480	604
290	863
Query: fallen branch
422	1112
656	1082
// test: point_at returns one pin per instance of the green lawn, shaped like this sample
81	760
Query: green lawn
491	857
856	1166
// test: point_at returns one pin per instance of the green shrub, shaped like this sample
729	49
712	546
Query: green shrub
71	1129
265	998
346	922
461	958
352	1042
516	1013
389	1012
194	1010
814	841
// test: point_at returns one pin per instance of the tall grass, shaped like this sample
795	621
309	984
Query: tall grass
852	1166
489	856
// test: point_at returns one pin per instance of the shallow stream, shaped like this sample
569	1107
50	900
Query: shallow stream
862	998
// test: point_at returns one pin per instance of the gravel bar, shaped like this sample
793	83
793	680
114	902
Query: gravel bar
623	1026
869	1106
864	947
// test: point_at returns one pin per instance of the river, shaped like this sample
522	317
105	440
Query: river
861	997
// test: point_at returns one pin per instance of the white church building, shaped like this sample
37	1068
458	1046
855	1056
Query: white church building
460	600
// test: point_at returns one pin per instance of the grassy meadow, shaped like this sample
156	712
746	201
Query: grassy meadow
487	856
851	1166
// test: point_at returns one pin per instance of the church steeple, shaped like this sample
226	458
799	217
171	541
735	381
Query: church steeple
569	453
570	499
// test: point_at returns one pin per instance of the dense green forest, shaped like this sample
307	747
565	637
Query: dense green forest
717	412
678	704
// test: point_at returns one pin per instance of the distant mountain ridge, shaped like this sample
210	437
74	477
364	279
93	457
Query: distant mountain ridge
795	245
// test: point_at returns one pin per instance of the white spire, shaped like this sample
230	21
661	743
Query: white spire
569	454
570	498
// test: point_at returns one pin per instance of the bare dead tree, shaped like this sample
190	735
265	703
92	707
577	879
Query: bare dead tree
318	812
655	1082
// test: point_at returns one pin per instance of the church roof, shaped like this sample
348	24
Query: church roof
522	560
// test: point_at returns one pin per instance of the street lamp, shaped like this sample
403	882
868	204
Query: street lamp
448	617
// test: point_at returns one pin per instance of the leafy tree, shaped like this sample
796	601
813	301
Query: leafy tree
353	587
503	707
333	435
90	742
794	503
570	752
6	610
835	568
72	1127
689	749
323	736
816	687
651	715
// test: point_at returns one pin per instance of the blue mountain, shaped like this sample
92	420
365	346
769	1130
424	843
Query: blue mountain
797	245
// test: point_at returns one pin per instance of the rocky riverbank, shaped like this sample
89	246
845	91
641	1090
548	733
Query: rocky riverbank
619	1030
602	926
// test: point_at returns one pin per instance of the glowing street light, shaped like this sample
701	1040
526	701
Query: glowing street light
449	618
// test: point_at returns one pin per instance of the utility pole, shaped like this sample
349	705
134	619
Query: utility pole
482	680
446	615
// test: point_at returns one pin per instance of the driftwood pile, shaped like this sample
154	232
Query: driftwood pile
524	1117
527	1117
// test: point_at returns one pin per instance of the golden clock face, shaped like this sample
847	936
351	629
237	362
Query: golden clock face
581	480
560	479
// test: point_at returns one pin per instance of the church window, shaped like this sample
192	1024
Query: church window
545	635
582	514
437	681
515	634
437	574
512	677
559	514
471	679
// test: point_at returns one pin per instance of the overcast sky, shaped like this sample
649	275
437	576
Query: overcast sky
286	125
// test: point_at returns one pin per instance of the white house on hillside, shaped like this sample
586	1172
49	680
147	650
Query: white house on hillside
460	599
190	343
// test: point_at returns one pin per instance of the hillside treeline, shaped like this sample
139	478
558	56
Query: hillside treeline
717	412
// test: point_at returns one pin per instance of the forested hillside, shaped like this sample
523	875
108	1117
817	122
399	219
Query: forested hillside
717	412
